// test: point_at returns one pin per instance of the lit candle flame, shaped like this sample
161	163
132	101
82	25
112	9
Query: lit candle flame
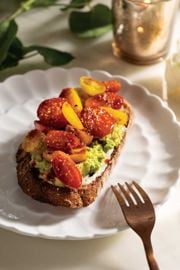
147	1
140	29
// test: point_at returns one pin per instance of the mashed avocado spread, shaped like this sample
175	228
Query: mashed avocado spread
96	153
95	156
40	163
114	138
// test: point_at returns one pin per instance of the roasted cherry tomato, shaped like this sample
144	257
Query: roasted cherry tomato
98	121
62	140
39	126
65	169
112	85
92	87
50	113
107	99
72	96
83	135
71	116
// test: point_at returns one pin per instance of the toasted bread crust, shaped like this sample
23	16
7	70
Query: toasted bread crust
42	191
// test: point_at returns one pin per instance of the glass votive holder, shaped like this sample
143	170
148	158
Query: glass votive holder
142	29
172	81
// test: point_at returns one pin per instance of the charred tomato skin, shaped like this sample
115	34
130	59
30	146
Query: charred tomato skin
98	121
50	114
112	85
62	140
65	169
110	99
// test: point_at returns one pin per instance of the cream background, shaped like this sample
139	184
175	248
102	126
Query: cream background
120	252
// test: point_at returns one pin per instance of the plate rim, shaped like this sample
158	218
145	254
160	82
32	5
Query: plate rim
13	227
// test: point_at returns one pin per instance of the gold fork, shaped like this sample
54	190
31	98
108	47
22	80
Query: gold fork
139	214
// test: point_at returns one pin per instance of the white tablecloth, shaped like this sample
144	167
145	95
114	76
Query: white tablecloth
123	251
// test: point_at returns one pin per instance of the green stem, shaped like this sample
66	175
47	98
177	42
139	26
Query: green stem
25	6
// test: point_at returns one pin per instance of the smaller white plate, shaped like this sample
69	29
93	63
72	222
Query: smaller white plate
150	156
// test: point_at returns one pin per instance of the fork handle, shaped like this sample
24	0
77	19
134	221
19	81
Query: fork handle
150	254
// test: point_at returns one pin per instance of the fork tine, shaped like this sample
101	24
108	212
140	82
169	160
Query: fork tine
118	196
140	217
142	192
126	194
133	192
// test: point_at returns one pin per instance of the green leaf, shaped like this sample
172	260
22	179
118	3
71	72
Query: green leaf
3	28
16	48
95	32
6	39
10	61
14	54
77	4
91	24
51	56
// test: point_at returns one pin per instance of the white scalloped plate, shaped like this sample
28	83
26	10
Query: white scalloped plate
151	156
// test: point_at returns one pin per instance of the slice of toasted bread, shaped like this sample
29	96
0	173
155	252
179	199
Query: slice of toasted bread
42	191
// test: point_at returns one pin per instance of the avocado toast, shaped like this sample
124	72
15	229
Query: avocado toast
77	139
